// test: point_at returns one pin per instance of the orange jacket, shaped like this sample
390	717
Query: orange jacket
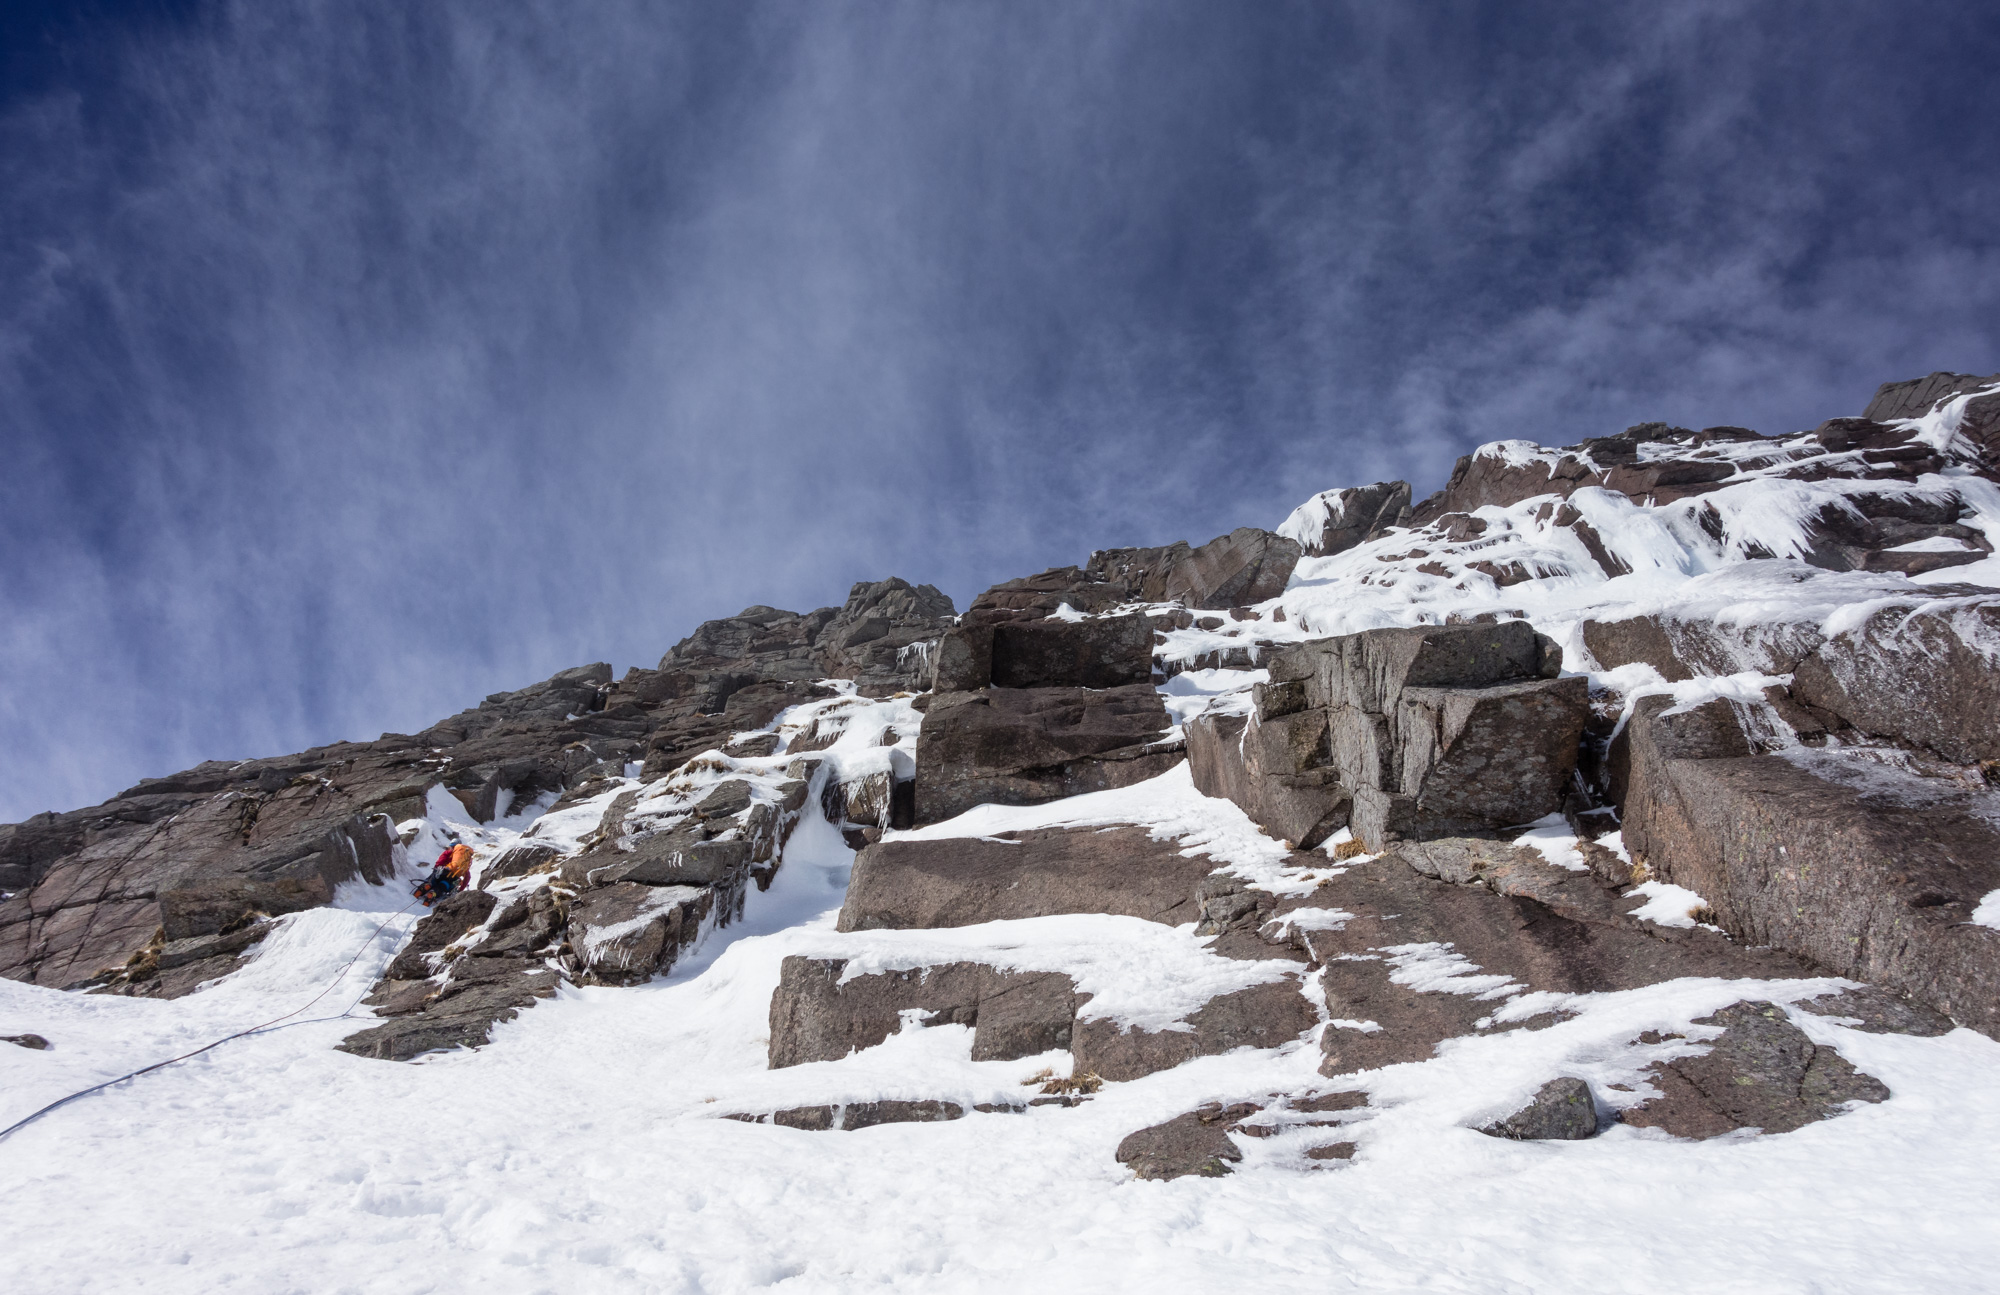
460	864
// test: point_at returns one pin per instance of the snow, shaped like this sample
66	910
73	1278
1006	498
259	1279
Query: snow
1553	839
1432	968
1194	693
1988	911
1668	905
583	1149
1308	522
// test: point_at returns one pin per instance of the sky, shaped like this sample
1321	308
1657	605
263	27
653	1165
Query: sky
360	359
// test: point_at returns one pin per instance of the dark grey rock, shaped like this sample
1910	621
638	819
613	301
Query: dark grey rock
1347	517
1263	1016
1561	1110
1197	1143
211	907
1101	652
412	1036
1762	1073
960	882
519	860
625	933
817	1017
454	916
1870	676
1873	876
33	1041
863	1115
1508	914
1023	746
1682	647
1873	1010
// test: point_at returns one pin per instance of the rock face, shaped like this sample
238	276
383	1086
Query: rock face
1334	521
1100	652
1927	677
1761	1073
1844	823
90	891
1442	934
1234	570
1401	734
902	885
1918	396
1869	870
1682	647
1023	746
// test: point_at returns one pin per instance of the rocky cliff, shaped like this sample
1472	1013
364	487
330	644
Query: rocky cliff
1668	708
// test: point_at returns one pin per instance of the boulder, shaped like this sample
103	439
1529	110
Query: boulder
818	1016
964	660
963	881
1262	1016
1761	1073
519	860
884	636
1023	746
1197	1143
1368	671
1401	734
1245	567
1496	755
1870	871
1561	1110
1929	676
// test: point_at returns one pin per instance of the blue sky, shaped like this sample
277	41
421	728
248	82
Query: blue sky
360	359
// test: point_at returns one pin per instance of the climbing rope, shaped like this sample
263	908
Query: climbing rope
272	1024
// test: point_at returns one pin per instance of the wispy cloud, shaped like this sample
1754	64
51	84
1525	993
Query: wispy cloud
357	360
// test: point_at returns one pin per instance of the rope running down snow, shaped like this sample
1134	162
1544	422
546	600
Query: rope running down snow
273	1023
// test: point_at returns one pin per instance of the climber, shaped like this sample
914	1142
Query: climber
451	872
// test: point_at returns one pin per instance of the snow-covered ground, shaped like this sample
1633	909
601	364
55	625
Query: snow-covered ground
583	1149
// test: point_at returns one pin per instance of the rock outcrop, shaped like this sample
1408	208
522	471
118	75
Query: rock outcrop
91	892
1334	521
1869	869
1402	733
1761	1072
